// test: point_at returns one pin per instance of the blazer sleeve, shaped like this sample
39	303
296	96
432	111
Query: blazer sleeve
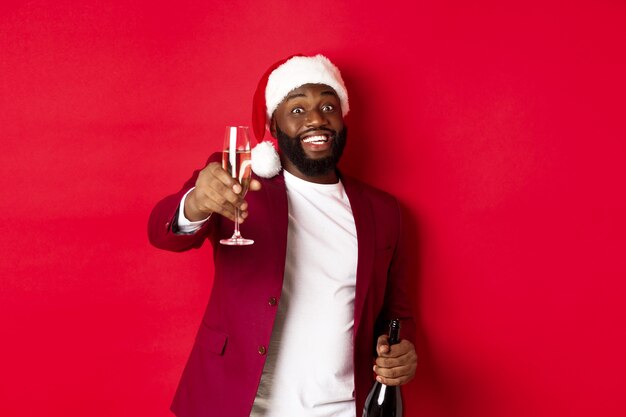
400	281
163	220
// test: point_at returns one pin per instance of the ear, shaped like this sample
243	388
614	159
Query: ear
273	127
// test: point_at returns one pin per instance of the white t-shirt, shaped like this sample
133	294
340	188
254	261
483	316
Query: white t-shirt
309	369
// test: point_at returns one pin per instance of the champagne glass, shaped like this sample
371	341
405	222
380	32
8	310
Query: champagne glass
236	161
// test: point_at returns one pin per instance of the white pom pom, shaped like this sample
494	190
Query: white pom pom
265	160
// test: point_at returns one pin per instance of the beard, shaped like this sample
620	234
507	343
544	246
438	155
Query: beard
293	150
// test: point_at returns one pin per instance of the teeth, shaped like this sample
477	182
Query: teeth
316	139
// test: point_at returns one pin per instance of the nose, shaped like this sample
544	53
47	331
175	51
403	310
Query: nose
316	117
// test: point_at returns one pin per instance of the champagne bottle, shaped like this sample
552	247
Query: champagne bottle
383	400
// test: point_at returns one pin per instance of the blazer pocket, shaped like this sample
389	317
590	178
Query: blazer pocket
211	340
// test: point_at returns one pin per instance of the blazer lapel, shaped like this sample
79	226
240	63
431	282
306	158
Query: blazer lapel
278	218
363	220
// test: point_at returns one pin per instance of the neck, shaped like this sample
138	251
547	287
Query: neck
327	178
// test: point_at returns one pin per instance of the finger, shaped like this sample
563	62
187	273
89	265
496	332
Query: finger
400	349
227	203
255	185
402	371
389	361
395	372
402	377
214	194
226	210
382	345
213	177
225	178
382	362
209	200
243	211
223	194
243	207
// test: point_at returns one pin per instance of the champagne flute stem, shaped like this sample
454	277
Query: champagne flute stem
237	235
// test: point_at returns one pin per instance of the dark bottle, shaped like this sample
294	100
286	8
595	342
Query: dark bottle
383	400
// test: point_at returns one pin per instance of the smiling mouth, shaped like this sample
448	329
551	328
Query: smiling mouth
316	140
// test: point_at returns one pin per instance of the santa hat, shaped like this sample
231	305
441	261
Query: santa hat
288	74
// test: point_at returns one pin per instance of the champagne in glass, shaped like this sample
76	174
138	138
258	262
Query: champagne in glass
236	161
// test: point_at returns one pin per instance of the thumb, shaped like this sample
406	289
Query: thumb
382	345
255	185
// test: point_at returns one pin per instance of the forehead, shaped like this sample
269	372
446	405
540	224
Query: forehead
311	90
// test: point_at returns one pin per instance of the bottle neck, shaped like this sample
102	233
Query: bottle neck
394	332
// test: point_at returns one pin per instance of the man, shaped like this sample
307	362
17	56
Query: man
295	321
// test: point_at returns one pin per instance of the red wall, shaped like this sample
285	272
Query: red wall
501	128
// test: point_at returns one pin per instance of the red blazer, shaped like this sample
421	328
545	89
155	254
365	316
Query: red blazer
224	368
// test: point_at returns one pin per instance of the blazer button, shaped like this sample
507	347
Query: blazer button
262	350
272	301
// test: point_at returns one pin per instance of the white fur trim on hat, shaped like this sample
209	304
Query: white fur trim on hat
265	160
301	70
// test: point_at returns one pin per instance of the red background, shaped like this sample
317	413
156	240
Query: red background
500	127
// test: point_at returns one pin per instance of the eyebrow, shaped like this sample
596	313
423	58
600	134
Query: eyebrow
323	93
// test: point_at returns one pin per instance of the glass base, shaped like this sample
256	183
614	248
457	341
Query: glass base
236	241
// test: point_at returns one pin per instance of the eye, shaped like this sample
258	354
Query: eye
297	110
328	108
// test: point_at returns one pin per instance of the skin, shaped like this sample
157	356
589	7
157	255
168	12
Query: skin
307	111
217	192
310	110
395	365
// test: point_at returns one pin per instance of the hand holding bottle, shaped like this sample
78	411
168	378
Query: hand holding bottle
385	397
395	364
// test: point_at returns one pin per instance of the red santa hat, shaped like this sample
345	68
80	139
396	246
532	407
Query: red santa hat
287	75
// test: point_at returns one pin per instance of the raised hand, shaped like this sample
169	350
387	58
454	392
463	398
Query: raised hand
217	192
